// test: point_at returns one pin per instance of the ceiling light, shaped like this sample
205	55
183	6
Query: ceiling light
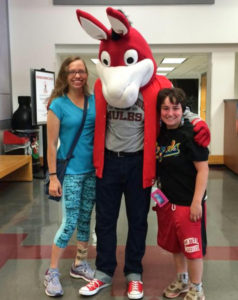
160	73
95	60
175	60
168	69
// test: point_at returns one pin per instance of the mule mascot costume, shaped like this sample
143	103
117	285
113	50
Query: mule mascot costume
124	146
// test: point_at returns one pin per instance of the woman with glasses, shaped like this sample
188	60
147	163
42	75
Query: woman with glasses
65	113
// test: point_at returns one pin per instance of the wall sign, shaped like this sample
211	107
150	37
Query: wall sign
130	2
42	84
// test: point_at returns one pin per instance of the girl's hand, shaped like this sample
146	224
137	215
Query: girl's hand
55	188
195	211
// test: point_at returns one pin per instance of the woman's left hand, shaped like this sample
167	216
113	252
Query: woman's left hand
195	211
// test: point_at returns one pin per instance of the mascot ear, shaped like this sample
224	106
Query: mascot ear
92	26
118	21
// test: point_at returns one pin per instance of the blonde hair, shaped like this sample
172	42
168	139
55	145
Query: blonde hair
61	84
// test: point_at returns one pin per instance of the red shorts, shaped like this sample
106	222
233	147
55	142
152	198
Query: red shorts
177	233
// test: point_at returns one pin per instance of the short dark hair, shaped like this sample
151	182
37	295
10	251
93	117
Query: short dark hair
175	95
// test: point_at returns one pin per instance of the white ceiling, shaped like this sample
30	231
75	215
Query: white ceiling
194	65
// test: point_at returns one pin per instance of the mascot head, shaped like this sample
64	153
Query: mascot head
126	63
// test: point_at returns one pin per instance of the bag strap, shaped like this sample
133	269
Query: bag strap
69	155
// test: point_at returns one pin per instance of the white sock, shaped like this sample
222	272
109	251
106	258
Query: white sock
197	286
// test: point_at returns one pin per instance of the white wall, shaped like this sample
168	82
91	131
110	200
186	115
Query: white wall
37	26
5	79
223	62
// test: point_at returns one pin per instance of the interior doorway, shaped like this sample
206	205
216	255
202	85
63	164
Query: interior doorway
190	87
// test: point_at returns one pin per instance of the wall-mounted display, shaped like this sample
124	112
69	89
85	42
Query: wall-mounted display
42	84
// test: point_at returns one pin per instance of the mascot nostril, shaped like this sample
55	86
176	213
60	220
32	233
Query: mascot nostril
126	129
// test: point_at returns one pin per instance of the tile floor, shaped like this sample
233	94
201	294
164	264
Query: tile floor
28	222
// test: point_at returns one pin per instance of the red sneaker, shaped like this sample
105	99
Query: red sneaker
93	287
135	289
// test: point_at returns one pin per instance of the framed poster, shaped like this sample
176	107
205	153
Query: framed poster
42	84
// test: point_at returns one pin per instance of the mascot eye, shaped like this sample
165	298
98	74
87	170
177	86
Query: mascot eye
105	58
130	57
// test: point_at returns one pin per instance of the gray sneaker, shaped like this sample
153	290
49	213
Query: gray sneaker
52	284
193	294
175	289
83	271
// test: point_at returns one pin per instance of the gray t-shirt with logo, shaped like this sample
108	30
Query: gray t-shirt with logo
125	127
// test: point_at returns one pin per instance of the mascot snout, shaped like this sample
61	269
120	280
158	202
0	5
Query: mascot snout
121	85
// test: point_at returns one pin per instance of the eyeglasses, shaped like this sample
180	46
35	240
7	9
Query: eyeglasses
74	72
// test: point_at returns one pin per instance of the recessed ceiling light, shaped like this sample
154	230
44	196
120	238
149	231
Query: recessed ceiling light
175	60
168	69
95	60
160	73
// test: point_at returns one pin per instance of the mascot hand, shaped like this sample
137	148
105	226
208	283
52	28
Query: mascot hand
202	131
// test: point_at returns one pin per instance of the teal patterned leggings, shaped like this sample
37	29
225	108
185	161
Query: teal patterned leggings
77	204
